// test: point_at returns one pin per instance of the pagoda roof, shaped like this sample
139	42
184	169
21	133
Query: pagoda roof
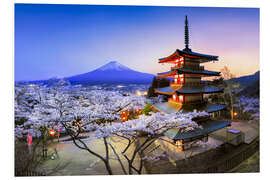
165	90
168	73
202	72
207	127
168	108
189	89
199	89
188	53
188	71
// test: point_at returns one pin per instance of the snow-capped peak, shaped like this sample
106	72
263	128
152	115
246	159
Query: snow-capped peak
113	65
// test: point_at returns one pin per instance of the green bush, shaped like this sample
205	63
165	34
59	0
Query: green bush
147	108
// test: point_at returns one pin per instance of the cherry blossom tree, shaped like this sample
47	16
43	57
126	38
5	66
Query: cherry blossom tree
230	88
97	112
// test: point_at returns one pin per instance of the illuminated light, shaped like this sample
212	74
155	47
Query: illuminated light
235	113
181	98
174	97
52	132
138	93
144	93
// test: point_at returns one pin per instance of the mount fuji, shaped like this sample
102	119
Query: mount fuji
112	72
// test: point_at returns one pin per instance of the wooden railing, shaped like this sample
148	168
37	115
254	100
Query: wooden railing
20	172
201	68
188	84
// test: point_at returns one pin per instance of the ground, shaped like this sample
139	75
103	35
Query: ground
80	162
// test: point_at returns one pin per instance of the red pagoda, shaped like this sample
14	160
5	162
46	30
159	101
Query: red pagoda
186	92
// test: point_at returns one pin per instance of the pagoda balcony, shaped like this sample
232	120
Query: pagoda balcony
198	68
175	102
196	102
174	84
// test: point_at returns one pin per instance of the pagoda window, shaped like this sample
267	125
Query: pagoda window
181	76
181	61
174	97
181	98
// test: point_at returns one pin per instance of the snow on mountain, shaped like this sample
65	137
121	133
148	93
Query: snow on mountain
113	65
112	72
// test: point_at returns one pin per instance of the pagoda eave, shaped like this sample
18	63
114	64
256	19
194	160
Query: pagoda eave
188	54
199	89
167	74
165	90
198	72
167	107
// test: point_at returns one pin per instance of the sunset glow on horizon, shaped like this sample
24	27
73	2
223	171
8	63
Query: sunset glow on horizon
66	40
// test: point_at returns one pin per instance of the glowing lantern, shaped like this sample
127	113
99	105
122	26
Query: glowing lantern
179	144
52	132
124	115
59	129
235	114
29	139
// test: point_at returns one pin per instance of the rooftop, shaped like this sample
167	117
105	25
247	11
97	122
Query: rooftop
207	127
189	89
168	108
188	71
188	53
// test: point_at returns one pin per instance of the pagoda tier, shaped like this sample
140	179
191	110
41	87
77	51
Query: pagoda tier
205	89
174	72
188	54
168	107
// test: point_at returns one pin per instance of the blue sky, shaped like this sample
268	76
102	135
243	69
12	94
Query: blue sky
64	40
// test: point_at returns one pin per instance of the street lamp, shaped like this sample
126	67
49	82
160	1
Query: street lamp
52	132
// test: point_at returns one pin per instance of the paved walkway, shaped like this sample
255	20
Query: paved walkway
81	162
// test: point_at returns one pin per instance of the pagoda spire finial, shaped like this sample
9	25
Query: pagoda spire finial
186	36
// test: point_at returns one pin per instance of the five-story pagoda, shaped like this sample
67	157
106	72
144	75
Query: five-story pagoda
187	91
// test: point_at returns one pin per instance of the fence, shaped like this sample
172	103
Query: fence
22	172
235	159
219	160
